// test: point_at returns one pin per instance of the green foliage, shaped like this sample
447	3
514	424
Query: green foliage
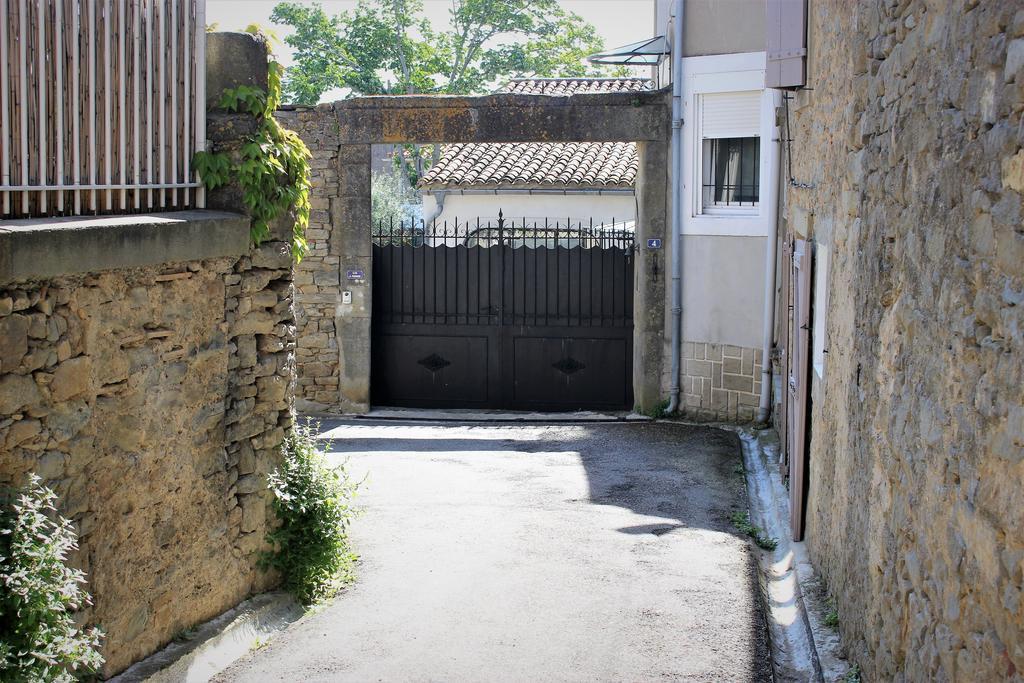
832	618
852	675
488	41
389	197
313	503
273	167
39	593
741	521
658	410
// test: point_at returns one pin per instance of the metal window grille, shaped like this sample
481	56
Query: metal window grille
731	173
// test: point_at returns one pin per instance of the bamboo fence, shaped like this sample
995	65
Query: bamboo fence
103	105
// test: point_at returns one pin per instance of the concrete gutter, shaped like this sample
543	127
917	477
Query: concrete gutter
39	248
803	647
218	643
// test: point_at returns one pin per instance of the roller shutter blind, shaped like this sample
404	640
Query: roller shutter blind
731	114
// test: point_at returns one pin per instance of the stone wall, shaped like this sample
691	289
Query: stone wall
720	382
147	369
333	349
912	138
152	400
339	241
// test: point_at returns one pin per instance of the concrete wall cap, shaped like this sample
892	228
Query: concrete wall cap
36	248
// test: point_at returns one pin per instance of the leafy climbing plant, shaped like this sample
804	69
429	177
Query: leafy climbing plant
272	167
39	592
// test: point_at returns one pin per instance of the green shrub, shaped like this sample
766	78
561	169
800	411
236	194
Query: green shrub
39	593
313	503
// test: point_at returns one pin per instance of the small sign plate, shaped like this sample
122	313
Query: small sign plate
654	244
355	275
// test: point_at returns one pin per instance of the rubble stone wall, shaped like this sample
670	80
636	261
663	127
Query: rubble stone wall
152	400
912	139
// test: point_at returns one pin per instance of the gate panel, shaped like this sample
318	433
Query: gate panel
522	317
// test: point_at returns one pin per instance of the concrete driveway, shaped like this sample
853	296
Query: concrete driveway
527	552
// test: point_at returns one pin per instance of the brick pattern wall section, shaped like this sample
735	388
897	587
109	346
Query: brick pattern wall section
153	401
719	382
912	138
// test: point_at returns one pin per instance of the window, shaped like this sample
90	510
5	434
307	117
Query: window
731	174
729	150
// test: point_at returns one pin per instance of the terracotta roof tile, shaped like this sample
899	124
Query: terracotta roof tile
535	164
542	164
575	86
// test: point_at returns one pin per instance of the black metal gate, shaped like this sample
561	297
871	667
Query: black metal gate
503	315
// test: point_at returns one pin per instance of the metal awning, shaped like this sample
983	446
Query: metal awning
646	52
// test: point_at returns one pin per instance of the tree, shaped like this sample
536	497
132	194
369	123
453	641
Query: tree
381	40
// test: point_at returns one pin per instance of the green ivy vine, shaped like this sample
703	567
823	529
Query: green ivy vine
273	167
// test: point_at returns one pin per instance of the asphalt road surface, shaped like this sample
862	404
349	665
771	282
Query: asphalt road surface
531	552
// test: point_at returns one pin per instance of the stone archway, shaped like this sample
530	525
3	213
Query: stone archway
333	352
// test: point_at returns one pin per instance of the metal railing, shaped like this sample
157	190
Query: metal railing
102	105
530	233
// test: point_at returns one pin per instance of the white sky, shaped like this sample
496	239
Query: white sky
617	21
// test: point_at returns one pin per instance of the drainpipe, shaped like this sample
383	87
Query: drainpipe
677	209
765	406
439	196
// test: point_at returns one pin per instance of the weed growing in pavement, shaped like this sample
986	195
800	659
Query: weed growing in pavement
313	503
832	617
741	521
184	635
655	412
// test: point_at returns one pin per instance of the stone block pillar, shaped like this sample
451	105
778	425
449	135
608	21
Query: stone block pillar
351	219
651	274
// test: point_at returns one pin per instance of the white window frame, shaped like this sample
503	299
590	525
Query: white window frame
820	308
720	74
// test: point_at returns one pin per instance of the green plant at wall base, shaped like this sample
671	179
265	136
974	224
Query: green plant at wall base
313	503
39	593
832	617
273	167
741	521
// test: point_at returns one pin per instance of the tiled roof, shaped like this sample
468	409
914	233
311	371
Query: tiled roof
535	164
578	165
575	86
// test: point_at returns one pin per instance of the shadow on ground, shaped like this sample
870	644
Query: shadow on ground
599	551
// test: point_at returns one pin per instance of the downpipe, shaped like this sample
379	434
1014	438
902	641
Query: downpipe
764	408
677	211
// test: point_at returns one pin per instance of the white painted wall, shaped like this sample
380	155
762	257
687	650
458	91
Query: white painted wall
537	207
724	255
723	282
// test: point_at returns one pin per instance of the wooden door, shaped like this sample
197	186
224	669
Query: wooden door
798	383
784	329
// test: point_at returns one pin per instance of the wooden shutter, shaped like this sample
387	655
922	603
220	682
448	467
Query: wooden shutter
799	381
786	24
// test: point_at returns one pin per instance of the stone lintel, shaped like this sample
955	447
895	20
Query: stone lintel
501	117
